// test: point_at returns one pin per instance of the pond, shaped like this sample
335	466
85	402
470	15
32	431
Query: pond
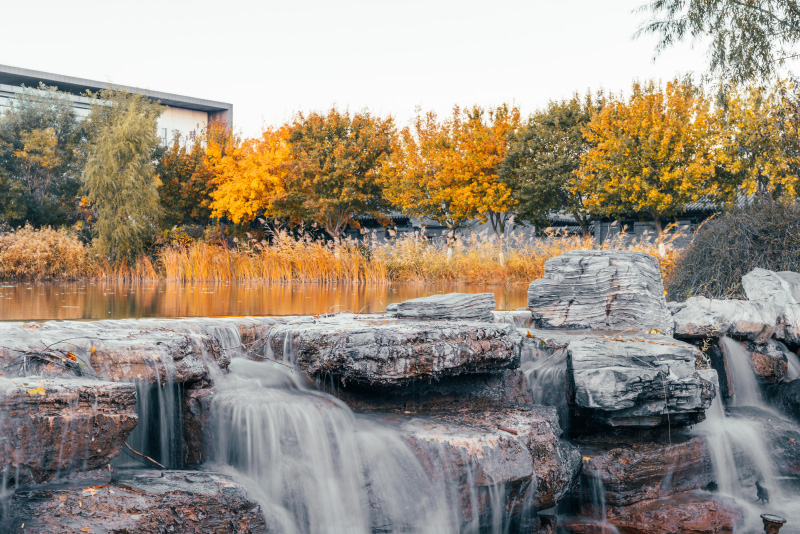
117	300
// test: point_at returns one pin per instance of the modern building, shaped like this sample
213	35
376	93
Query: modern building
183	113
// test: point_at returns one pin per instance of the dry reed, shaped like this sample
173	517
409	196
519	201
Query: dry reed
28	254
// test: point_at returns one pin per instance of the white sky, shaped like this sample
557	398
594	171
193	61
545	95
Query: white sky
272	59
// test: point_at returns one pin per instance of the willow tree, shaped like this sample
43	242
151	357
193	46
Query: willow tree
119	177
749	39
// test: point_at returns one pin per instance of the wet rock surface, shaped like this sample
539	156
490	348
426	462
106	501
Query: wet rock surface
138	502
681	514
601	290
637	380
634	472
447	307
151	350
781	291
379	352
786	397
528	445
52	427
700	317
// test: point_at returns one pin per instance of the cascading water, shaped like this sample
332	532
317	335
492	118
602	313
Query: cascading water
315	466
547	376
739	452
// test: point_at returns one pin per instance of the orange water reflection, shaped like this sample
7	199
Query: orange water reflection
115	300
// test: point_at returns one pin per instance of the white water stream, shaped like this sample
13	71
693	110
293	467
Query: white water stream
740	452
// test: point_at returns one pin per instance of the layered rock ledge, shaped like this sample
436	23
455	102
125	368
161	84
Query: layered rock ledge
372	351
446	307
52	427
600	290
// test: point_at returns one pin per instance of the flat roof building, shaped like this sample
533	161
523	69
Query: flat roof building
183	113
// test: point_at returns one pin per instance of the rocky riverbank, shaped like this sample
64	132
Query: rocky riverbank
598	408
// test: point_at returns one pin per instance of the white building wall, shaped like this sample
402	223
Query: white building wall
184	121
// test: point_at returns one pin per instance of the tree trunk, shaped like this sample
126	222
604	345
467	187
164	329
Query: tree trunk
584	224
657	220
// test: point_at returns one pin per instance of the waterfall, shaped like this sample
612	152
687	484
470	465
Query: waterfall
547	377
742	382
739	452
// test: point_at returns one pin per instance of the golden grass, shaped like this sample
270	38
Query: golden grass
28	254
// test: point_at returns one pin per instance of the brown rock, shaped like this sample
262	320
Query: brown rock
51	427
680	514
509	446
137	503
650	470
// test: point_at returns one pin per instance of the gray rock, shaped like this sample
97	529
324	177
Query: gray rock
762	285
601	290
700	317
447	307
640	381
52	427
781	291
375	351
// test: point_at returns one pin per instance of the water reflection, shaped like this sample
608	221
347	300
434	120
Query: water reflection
119	300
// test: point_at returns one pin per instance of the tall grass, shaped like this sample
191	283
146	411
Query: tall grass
28	254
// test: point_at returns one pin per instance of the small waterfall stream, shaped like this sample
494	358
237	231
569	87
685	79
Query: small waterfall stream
740	453
315	466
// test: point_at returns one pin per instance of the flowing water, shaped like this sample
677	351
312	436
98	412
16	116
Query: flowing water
740	451
116	300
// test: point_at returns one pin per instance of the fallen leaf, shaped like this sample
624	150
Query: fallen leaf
39	390
86	529
529	334
92	350
654	331
62	498
72	357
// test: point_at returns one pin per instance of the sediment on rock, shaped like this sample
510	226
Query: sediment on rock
52	427
600	290
138	502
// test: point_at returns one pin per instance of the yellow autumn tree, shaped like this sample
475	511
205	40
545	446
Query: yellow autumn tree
249	175
761	142
652	153
449	170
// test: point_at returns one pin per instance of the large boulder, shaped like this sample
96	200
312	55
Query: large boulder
700	317
786	397
52	427
600	290
636	471
637	380
447	307
504	449
138	502
379	352
782	292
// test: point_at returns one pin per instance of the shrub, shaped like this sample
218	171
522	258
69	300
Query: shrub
28	254
725	248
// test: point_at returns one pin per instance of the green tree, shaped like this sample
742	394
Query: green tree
750	39
119	178
41	158
540	166
335	168
186	183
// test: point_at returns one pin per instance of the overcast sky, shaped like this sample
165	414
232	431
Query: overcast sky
271	59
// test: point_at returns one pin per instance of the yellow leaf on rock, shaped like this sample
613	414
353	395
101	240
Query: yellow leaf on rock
39	390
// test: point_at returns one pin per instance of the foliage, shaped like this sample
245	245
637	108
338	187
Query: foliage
249	176
119	177
186	183
727	247
541	164
654	153
30	254
40	158
750	39
761	157
449	171
336	168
